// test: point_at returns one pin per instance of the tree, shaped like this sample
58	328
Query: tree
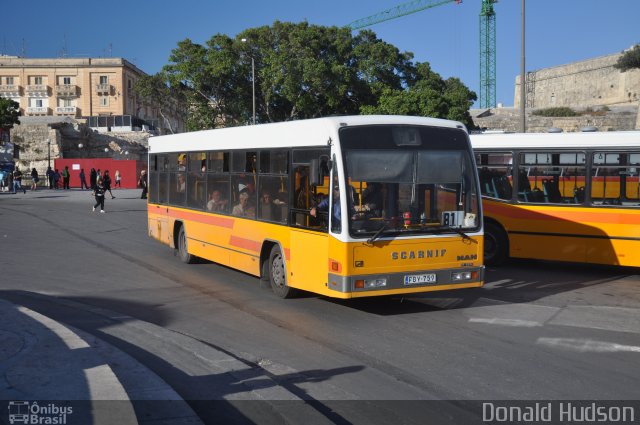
629	59
427	94
307	71
156	90
9	113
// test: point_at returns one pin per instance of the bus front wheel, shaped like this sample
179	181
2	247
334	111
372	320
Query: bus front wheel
496	244
278	274
183	251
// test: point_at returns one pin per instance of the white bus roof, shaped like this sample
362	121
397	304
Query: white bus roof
583	140
300	133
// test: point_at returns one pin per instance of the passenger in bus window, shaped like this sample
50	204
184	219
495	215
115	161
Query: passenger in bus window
267	207
181	183
372	199
216	203
243	209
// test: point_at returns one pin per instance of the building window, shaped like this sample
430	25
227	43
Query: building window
104	79
66	80
37	103
129	84
37	80
66	102
9	81
104	101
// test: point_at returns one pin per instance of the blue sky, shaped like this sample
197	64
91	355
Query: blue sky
144	32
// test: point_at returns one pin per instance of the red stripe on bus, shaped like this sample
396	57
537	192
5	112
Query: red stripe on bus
199	217
574	215
243	243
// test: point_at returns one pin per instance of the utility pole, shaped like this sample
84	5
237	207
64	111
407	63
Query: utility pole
523	92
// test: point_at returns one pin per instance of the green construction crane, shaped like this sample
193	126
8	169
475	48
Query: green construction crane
487	38
398	11
487	54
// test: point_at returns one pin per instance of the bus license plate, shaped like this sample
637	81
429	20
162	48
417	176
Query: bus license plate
415	279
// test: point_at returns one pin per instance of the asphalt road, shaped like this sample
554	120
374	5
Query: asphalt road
536	331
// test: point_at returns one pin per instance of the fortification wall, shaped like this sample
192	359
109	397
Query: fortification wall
508	119
592	82
73	141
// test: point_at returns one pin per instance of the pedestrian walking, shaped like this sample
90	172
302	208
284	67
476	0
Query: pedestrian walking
34	179
56	179
93	176
66	177
142	182
106	182
98	192
2	177
17	181
83	180
50	177
118	178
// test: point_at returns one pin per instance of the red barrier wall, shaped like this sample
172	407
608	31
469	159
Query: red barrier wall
129	170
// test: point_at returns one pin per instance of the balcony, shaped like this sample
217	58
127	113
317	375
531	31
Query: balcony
67	90
38	110
10	90
38	88
66	110
103	88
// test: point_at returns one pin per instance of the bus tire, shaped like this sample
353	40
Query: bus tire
183	251
278	275
496	244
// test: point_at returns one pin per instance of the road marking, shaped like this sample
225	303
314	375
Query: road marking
506	322
588	345
71	339
497	283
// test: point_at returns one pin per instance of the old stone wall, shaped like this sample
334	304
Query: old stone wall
69	140
508	119
592	82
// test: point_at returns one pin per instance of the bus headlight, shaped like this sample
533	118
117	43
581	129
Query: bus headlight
460	276
370	283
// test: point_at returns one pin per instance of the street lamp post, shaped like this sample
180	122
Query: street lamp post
523	91
253	84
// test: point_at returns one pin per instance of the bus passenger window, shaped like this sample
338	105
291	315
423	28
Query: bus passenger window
495	174
273	199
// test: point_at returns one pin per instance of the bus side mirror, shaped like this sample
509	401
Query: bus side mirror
318	170
314	172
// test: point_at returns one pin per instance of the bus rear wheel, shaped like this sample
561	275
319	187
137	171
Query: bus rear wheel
183	251
278	274
496	245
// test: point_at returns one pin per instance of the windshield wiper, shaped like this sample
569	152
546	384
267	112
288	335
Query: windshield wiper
460	232
377	234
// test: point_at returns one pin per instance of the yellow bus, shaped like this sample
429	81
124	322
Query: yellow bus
270	200
561	196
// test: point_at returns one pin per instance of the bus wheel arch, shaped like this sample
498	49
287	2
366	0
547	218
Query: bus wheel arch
496	243
265	253
180	243
278	273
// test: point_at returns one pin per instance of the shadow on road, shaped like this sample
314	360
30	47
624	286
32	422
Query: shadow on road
223	396
547	279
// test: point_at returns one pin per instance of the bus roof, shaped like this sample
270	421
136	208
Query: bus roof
299	133
582	140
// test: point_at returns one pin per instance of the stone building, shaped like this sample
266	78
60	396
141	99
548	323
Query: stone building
601	95
589	83
98	90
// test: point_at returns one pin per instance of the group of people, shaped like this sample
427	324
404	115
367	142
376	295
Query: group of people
246	206
12	180
102	185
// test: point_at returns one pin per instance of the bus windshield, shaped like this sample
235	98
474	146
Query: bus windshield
409	180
